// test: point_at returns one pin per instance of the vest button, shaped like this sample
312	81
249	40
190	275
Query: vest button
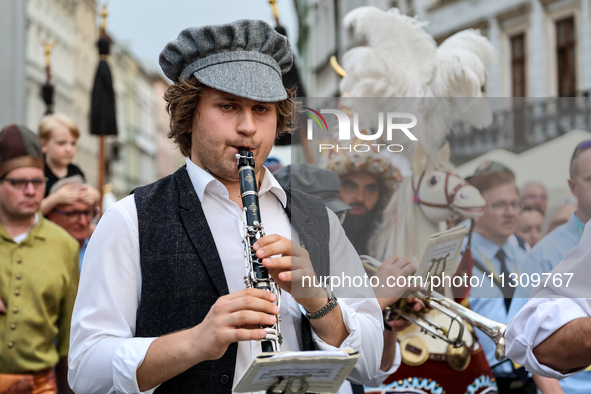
225	379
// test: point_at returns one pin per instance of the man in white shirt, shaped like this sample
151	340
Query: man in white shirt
163	305
549	335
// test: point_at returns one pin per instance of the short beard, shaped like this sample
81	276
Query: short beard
215	165
17	216
359	229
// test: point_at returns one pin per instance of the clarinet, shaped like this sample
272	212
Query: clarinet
257	275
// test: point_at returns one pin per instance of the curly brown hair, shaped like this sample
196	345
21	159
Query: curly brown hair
181	103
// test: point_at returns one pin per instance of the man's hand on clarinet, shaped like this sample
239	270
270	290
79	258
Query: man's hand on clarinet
236	317
290	267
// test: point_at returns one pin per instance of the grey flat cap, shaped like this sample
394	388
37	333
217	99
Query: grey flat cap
319	182
245	58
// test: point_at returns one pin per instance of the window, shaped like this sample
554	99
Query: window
518	65
565	56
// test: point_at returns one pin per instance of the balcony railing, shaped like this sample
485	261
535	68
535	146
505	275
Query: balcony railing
523	124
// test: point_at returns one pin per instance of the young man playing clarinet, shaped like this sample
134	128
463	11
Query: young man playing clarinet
163	305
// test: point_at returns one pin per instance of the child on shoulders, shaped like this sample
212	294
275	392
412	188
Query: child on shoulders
59	136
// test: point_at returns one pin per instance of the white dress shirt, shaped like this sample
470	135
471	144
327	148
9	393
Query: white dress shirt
551	307
104	355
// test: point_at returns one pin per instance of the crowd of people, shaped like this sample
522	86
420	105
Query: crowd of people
161	304
46	213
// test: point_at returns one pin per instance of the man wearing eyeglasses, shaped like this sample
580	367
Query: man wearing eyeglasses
76	218
38	274
543	259
494	256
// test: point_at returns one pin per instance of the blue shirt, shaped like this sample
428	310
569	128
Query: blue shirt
550	251
82	251
546	255
489	301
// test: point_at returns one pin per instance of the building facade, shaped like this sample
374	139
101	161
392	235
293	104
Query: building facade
72	26
132	155
25	28
538	89
13	36
169	157
322	35
544	52
543	45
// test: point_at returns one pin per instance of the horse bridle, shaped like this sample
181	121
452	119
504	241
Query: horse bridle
448	196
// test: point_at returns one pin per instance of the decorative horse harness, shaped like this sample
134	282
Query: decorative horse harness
448	196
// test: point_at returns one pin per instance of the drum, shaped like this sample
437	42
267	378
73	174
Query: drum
436	377
431	366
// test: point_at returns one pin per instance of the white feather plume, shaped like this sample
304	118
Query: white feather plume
402	60
381	68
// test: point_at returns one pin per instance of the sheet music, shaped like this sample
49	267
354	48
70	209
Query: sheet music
314	372
323	371
442	253
313	353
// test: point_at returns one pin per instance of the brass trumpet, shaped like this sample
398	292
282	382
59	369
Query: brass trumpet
456	312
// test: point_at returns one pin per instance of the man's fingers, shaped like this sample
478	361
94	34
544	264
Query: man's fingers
257	293
418	306
284	276
282	263
288	263
391	260
244	334
245	318
409	269
286	268
399	325
266	240
250	304
280	247
403	262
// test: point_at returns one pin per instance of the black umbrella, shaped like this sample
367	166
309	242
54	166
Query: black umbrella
47	88
103	120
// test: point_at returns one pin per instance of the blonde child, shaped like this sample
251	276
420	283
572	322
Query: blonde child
59	135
